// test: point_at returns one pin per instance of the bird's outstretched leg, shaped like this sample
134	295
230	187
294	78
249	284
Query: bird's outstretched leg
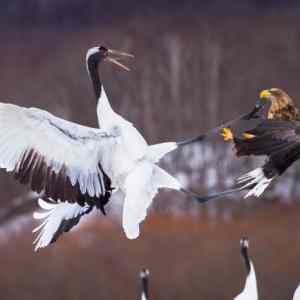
252	115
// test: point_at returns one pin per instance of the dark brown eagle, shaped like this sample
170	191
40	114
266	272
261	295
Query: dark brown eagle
277	136
273	104
282	106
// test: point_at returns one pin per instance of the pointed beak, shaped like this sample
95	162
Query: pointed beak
120	53
264	94
114	56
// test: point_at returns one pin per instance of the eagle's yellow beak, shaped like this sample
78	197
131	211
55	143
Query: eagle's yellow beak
264	94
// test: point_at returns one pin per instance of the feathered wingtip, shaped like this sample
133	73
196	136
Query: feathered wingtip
56	218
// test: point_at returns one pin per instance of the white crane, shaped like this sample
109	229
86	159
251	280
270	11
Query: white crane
144	275
250	289
78	167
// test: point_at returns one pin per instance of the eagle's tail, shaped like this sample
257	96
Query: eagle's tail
256	180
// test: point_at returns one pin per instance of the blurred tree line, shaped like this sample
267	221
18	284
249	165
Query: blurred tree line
191	72
197	64
80	12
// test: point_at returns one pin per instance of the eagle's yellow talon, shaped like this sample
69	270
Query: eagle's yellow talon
248	136
227	134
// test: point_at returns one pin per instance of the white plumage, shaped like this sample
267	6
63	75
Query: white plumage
256	178
54	214
140	187
60	143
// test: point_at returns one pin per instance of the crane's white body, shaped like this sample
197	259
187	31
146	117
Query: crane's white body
125	149
130	163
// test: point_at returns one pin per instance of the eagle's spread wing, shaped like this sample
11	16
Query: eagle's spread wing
271	138
280	142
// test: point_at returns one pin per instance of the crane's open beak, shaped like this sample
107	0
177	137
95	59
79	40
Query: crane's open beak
114	56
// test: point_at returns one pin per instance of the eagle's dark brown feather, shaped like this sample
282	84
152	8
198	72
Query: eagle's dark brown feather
279	140
282	106
268	137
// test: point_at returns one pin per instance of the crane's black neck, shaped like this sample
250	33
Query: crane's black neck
245	255
92	66
145	286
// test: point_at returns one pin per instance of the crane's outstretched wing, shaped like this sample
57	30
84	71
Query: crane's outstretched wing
52	155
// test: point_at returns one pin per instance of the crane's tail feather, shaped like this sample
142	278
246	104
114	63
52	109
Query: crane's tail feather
139	196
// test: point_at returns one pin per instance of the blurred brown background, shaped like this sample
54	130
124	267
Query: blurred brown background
197	63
